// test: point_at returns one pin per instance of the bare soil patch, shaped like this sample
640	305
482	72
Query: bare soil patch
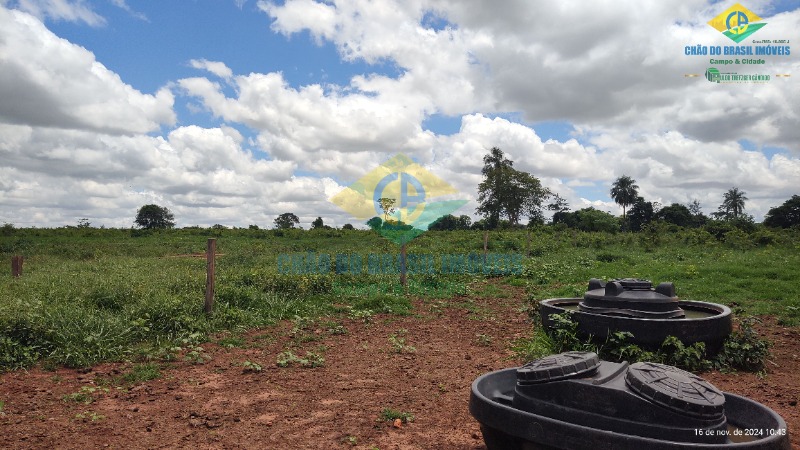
219	404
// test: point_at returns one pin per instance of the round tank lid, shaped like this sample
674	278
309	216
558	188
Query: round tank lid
630	289
676	389
558	367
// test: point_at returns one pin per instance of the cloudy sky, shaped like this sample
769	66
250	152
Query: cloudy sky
234	111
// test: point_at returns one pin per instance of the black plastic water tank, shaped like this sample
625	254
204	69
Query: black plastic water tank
576	401
631	297
645	399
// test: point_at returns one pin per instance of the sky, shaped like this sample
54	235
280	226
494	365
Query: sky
232	112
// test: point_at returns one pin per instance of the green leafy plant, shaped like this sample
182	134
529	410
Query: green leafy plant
337	329
196	355
399	344
86	395
310	360
252	367
389	414
362	315
231	342
483	339
744	349
89	415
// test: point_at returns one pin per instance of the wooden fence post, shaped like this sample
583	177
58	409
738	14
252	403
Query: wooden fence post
403	264
528	243
16	266
485	245
211	251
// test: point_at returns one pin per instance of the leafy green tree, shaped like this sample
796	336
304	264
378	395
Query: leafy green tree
152	217
698	218
694	207
641	213
676	214
732	206
624	191
387	206
375	223
464	222
558	204
7	229
317	223
481	224
564	217
450	222
491	192
588	219
348	226
507	192
286	221
785	216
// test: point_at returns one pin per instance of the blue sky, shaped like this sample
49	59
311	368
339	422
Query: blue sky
233	112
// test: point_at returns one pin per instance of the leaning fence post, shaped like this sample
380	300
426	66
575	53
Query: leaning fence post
16	266
485	245
211	251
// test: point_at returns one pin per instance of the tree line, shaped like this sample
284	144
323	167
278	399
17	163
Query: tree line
507	195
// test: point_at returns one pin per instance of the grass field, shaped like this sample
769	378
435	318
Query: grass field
91	295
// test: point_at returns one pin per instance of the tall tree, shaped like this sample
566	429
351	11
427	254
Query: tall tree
676	214
317	223
525	198
286	221
558	204
387	205
698	218
507	192
624	191
642	212
491	192
153	217
695	208
732	206
784	216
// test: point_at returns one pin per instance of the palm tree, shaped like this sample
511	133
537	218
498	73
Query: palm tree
733	203
624	191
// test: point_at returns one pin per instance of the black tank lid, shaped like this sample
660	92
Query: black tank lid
676	389
558	367
631	289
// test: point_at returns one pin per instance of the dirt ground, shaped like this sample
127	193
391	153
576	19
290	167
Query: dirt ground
219	404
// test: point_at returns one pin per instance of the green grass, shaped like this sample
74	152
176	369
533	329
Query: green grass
92	295
141	373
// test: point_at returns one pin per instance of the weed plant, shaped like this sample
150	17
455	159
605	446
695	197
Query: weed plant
742	350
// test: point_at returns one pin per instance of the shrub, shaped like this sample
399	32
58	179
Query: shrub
744	349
